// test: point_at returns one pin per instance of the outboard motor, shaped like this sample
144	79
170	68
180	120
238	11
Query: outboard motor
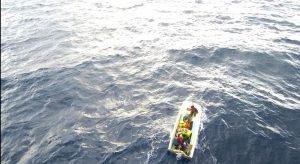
179	156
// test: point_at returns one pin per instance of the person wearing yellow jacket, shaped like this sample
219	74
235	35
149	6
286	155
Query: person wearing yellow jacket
186	133
185	125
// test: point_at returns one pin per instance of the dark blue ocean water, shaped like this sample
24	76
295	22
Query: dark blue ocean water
91	81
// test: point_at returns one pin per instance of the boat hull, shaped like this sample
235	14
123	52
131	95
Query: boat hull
196	120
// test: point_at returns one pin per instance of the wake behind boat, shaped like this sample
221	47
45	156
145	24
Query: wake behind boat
185	132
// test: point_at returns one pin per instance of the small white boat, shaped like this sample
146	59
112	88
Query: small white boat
195	121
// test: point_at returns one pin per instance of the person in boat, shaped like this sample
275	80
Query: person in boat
180	139
187	118
178	142
193	110
180	147
187	148
185	124
186	133
188	121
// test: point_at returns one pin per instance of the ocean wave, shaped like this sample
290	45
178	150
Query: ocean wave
101	82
